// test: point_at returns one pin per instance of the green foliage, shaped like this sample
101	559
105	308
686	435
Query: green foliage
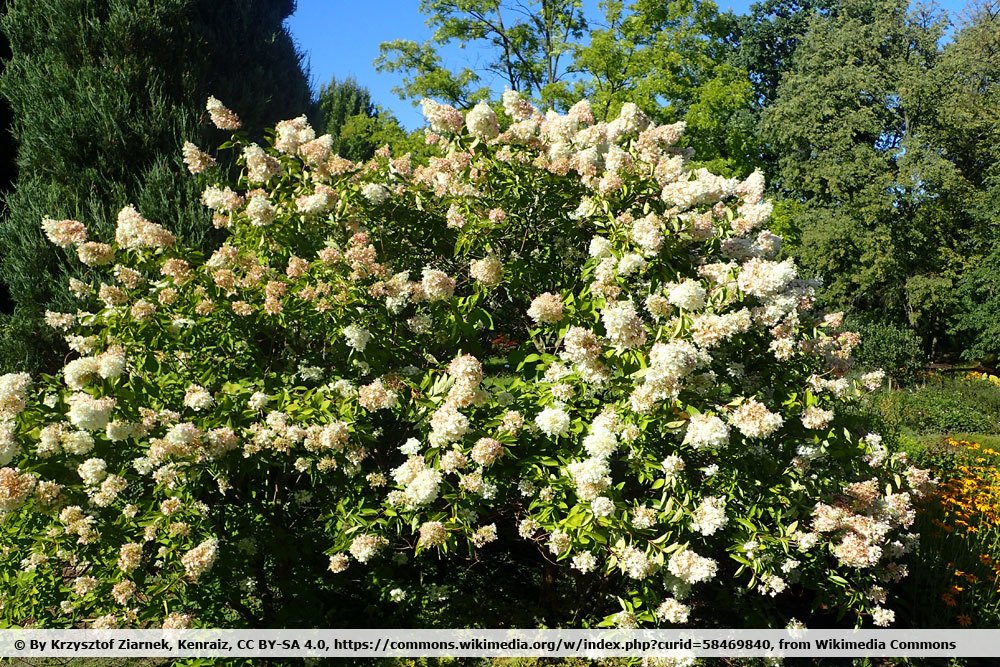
340	100
654	54
766	38
25	344
893	348
103	96
528	45
351	119
720	126
8	168
977	320
942	405
670	58
8	165
970	71
883	139
838	120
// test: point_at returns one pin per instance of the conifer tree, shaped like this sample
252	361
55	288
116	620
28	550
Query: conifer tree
350	118
7	164
103	96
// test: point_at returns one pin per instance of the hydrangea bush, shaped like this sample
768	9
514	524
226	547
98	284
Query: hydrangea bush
557	332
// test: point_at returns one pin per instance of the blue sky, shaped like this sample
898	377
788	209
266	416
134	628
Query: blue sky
341	38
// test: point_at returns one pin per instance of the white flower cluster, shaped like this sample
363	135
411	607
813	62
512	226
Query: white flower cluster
134	231
89	413
553	421
482	122
421	483
691	568
198	398
623	325
689	295
546	309
200	559
357	337
13	394
706	432
443	118
709	516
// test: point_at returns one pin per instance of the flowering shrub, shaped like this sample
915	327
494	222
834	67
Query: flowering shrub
556	328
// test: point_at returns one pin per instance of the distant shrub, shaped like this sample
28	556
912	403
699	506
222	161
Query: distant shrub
943	405
892	347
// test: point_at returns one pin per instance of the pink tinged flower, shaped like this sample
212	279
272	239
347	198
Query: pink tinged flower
196	159
222	117
64	233
546	308
442	118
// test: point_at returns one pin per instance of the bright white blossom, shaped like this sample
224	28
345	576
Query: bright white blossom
706	431
357	337
709	516
553	421
689	295
482	122
690	567
222	117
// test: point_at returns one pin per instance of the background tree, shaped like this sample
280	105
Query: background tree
103	95
357	125
8	167
671	59
967	128
762	43
651	53
765	38
527	45
847	124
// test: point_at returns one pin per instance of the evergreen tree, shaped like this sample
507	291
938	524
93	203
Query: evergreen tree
357	126
103	96
8	167
339	100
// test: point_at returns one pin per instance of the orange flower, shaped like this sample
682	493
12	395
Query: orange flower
964	620
949	600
